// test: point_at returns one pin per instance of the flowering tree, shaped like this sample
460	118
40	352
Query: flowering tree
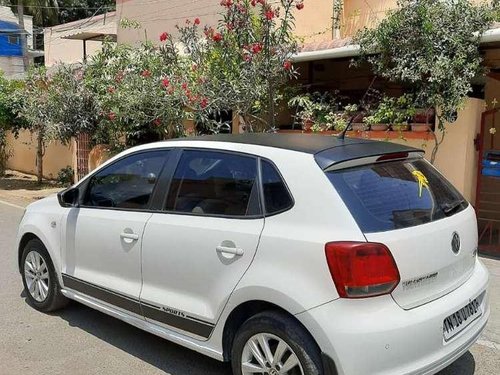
72	107
136	101
31	104
433	48
241	64
8	116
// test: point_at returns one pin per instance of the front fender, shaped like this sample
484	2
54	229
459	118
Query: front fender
46	227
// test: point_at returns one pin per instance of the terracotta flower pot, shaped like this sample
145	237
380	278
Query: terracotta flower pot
400	127
307	125
423	116
360	126
420	128
379	127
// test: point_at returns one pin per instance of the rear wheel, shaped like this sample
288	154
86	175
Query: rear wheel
40	279
275	344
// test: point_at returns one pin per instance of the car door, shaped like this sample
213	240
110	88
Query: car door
196	250
102	256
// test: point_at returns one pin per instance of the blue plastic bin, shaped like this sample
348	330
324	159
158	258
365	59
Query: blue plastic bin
491	164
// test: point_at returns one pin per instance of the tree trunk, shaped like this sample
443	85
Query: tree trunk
39	157
23	34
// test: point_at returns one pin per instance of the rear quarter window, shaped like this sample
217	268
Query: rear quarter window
394	195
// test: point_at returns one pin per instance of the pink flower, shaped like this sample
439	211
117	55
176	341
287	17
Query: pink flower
253	2
287	65
146	73
300	5
269	14
163	36
157	121
111	89
165	82
256	48
217	37
196	21
203	103
184	86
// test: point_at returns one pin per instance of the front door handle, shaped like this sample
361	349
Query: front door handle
229	250
129	236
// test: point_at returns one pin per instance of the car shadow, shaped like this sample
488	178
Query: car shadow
465	365
172	358
162	354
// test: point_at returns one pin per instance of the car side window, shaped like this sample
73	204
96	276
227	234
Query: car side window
276	195
128	183
214	183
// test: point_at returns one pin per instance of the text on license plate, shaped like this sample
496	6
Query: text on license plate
457	321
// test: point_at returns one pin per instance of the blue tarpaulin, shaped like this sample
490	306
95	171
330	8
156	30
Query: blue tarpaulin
10	41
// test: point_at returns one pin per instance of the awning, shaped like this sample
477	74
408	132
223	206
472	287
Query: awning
87	35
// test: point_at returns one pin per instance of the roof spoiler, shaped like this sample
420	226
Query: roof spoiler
360	154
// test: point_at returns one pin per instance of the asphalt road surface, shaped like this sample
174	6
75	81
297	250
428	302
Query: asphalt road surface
79	340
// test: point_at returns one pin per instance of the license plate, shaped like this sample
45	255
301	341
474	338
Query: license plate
460	319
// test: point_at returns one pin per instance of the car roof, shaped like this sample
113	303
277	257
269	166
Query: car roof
327	150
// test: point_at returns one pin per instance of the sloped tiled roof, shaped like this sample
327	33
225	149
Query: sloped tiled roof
328	44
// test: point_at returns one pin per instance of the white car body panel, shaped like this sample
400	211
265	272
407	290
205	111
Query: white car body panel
428	267
283	264
182	268
95	251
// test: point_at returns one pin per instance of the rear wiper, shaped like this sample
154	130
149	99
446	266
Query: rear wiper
449	208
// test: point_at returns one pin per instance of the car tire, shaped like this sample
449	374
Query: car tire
38	274
273	327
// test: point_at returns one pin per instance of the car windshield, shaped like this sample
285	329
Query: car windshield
395	195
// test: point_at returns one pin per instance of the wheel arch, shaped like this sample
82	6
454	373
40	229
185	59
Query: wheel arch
27	237
244	311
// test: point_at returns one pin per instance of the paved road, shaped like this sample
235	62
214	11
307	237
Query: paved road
83	341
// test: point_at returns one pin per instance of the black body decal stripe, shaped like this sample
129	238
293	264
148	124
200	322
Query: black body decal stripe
185	323
102	294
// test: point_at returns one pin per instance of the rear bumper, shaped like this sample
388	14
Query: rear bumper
376	336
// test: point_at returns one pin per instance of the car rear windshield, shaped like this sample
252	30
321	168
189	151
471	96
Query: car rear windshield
396	194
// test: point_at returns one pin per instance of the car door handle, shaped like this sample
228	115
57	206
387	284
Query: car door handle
129	236
229	250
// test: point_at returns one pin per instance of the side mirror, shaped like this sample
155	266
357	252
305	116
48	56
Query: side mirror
68	198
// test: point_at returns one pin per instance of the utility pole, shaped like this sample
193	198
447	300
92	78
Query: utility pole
23	35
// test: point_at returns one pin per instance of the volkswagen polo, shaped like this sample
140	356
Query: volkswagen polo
283	254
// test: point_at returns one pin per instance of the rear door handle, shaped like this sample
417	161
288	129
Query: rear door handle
229	250
129	236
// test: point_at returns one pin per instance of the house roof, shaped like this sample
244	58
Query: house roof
344	47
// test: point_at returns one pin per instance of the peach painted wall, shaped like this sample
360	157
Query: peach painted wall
23	155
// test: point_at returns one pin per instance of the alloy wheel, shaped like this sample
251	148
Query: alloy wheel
268	354
36	274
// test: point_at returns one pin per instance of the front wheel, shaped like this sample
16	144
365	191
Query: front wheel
273	343
40	279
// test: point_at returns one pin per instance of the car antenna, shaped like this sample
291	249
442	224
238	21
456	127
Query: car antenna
342	135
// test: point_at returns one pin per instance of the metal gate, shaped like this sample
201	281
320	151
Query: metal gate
488	186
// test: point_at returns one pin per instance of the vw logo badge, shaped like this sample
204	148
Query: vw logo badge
455	243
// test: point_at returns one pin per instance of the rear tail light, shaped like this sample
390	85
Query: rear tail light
361	269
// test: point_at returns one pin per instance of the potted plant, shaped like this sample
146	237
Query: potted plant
376	122
422	120
303	105
315	111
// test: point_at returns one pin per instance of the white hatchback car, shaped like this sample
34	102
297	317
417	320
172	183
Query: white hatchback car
284	254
